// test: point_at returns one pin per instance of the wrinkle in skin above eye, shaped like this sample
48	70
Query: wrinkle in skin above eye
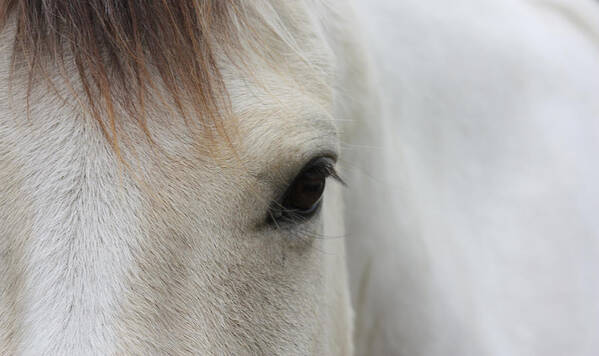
276	154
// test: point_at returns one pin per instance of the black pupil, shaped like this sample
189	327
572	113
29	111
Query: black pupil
306	190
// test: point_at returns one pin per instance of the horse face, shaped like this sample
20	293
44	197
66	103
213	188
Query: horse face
185	250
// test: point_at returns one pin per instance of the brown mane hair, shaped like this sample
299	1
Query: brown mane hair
116	44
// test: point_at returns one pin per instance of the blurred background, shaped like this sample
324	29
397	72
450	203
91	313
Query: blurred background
478	226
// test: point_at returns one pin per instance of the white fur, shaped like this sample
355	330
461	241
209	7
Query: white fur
171	256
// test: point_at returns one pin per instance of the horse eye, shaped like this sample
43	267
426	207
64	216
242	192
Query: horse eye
304	196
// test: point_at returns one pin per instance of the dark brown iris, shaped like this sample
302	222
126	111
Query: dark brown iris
305	192
303	196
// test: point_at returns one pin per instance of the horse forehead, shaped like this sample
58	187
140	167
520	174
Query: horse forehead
287	107
285	117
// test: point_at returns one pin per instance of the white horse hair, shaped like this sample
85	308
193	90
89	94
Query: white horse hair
111	243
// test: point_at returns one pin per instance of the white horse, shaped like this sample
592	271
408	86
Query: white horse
487	238
161	171
170	201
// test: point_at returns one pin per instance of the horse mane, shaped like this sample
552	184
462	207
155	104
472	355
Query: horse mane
120	48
